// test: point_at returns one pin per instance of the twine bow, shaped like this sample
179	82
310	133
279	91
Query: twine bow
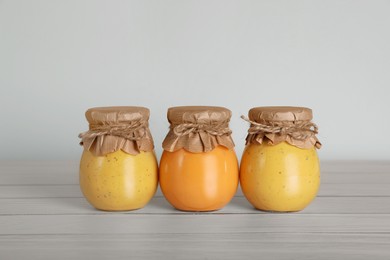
188	128
300	130
130	131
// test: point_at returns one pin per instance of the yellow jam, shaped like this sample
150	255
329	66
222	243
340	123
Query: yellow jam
118	181
279	177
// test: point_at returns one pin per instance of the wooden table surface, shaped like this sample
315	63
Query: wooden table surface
44	216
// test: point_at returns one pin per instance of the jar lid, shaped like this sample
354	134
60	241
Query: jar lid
260	114
198	129
116	115
198	114
274	125
117	128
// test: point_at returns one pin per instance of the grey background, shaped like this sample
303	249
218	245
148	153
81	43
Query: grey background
58	58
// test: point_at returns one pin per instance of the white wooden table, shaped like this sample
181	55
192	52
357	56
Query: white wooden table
44	216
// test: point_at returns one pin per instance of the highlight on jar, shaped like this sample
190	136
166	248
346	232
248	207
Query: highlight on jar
280	168
118	167
199	167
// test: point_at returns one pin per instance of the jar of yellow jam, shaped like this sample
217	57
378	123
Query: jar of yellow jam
198	167
280	168
118	168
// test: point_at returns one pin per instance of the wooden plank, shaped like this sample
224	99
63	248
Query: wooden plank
326	165
43	215
197	246
62	175
73	190
71	178
194	223
40	191
158	205
354	189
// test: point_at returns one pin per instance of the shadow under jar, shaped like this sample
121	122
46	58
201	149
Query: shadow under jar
118	168
198	167
280	168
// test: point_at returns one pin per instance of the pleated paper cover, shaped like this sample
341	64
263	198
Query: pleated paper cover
117	128
198	129
283	124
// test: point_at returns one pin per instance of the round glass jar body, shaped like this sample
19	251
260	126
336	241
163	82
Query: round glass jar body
118	181
199	181
118	167
279	177
280	168
199	167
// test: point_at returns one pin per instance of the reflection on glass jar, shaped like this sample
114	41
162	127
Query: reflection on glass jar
198	167
280	168
118	168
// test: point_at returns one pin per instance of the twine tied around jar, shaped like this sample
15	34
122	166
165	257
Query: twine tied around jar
301	134
133	131
112	129
198	129
299	130
212	129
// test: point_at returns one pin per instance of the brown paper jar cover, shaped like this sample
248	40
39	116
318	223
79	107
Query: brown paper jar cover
294	122
117	128
198	128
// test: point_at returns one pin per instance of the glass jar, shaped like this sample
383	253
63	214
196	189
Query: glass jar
198	167
280	168
118	168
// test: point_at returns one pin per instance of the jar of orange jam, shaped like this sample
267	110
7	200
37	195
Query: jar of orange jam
280	168
198	167
118	168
